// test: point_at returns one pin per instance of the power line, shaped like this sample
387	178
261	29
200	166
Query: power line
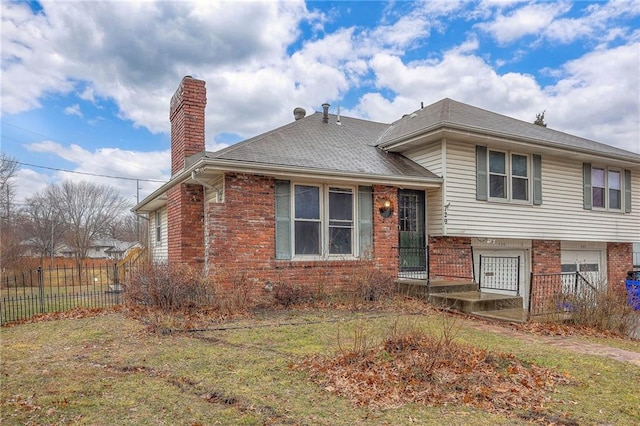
87	173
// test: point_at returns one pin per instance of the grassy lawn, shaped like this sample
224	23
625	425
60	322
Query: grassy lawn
110	369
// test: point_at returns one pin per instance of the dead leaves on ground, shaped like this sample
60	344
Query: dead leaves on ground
419	368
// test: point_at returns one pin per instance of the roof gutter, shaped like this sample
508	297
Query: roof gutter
444	127
282	171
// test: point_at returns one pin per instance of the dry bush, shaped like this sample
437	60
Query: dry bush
367	283
234	291
287	294
170	288
604	311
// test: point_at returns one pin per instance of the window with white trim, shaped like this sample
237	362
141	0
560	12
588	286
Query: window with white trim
606	188
322	221
508	176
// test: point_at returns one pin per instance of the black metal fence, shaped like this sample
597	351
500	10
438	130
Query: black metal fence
427	263
558	293
499	273
413	262
31	292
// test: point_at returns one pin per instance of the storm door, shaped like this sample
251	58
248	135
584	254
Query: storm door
413	249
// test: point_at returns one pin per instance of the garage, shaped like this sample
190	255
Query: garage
589	259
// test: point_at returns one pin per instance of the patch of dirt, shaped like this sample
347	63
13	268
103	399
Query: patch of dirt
419	368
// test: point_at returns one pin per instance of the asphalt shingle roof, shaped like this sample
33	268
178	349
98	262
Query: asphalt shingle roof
310	143
448	112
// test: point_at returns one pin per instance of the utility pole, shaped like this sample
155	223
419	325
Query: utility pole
137	216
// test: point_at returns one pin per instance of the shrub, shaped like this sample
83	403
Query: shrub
287	294
604	310
369	284
169	288
234	290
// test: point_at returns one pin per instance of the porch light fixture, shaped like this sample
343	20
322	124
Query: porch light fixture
385	208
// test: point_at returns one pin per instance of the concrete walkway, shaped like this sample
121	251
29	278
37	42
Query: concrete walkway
567	343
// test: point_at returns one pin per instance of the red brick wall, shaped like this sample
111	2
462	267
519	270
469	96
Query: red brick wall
619	262
385	231
450	258
187	121
185	203
185	211
545	257
241	242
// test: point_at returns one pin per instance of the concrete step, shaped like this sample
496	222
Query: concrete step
452	286
518	315
421	288
475	301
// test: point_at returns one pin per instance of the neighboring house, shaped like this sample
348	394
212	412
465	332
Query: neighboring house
101	249
312	201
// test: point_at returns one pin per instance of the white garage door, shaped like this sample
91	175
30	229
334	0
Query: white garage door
590	264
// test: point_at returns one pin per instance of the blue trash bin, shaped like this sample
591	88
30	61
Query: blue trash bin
633	289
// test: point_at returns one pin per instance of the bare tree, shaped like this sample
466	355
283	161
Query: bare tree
43	224
8	170
11	248
125	228
88	210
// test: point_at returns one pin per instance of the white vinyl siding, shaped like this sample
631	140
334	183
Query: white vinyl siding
431	157
435	213
560	217
159	247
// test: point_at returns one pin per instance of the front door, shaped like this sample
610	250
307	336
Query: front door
412	252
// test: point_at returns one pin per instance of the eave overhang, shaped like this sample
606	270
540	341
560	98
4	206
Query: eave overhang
473	134
207	168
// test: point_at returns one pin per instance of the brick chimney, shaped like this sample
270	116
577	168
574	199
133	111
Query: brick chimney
187	121
185	202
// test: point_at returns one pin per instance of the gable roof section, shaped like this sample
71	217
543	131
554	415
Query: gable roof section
448	113
309	143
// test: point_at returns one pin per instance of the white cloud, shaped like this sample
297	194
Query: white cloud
102	165
136	53
150	46
30	182
527	20
73	110
598	97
